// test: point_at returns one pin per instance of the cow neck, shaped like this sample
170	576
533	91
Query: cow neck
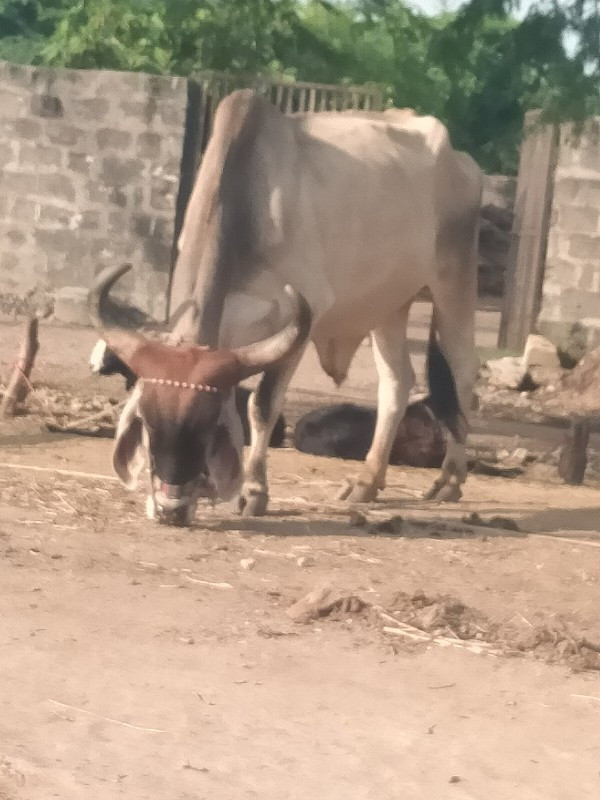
186	328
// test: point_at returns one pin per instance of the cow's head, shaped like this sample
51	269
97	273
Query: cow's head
182	410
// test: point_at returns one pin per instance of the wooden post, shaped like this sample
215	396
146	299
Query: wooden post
573	454
529	238
18	383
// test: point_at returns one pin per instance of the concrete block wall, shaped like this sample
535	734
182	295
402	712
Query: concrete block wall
90	171
570	308
89	175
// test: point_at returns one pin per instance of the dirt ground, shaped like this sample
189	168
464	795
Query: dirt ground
143	662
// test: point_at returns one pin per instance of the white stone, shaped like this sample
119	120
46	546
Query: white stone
519	455
305	561
507	372
540	352
248	563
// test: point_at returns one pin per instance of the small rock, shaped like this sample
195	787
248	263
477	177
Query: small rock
305	561
540	352
248	563
455	779
508	372
519	455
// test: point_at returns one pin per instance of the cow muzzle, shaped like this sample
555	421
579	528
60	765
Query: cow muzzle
175	504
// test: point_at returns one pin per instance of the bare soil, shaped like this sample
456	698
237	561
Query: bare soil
137	661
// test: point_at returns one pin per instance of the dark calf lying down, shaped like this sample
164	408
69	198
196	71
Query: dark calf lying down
104	361
346	431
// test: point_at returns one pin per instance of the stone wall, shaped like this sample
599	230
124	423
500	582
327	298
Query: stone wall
89	175
90	172
570	309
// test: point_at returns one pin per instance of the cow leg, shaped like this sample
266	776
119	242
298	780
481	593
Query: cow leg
264	407
455	323
396	378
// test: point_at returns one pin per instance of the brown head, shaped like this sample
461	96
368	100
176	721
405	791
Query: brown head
182	410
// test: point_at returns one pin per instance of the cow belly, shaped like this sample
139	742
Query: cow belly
248	318
362	306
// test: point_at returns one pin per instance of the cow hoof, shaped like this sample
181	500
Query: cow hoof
358	493
446	493
253	505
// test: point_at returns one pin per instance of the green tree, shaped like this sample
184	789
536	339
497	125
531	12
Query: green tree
25	26
478	69
178	37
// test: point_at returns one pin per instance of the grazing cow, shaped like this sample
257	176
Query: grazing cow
358	214
104	362
346	431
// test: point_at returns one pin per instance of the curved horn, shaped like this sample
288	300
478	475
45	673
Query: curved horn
98	297
105	311
102	311
260	355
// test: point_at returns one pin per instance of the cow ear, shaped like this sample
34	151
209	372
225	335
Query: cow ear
223	456
128	454
124	344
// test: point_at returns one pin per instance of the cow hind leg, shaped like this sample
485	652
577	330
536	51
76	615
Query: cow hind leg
396	378
264	408
455	323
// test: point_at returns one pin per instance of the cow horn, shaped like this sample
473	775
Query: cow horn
105	311
268	352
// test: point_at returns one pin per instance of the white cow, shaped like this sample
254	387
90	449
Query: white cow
359	213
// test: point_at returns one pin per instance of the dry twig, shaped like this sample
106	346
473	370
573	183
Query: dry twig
106	719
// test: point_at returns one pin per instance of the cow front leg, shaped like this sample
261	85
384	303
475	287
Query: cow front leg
396	378
264	407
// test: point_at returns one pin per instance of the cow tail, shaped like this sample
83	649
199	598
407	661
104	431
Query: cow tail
443	397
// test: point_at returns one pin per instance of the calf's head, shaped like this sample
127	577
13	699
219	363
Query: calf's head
182	414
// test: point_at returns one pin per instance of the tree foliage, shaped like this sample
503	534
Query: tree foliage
478	69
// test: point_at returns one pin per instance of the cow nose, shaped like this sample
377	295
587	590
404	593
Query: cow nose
170	498
171	491
173	504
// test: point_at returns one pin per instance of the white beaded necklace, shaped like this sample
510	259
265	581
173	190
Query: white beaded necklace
198	387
